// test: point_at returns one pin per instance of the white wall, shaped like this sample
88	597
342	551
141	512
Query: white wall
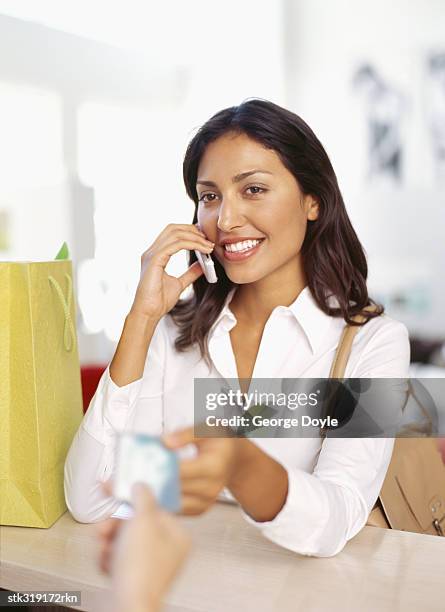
125	113
401	226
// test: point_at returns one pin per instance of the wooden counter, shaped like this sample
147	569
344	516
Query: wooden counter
233	568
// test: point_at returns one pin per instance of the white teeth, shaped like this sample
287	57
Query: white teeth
241	246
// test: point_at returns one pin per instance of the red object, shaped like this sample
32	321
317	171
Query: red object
90	376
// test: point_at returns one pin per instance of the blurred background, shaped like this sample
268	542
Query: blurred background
98	101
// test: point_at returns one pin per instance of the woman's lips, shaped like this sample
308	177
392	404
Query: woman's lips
241	255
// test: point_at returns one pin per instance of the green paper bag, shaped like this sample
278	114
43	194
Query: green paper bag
40	389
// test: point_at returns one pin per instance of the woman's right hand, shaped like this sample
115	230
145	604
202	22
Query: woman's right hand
157	291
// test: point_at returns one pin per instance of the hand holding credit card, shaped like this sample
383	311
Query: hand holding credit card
144	458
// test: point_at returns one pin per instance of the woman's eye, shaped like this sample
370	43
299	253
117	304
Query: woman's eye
210	197
256	189
206	195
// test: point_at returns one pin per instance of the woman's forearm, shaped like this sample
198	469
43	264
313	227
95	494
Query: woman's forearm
259	483
131	352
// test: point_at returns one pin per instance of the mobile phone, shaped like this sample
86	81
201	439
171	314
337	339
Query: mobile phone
207	264
144	458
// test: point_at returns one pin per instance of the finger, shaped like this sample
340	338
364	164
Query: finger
167	250
179	438
107	527
142	498
177	240
170	231
172	227
200	467
107	487
189	469
176	231
192	505
105	559
192	274
106	551
190	233
190	435
204	488
183	235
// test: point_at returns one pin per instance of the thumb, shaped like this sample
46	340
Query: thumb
142	498
176	439
107	487
190	275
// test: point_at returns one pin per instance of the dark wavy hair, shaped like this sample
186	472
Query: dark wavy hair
333	259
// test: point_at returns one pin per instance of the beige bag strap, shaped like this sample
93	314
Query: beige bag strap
344	349
377	518
345	344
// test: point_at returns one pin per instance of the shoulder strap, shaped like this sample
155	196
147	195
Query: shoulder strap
345	344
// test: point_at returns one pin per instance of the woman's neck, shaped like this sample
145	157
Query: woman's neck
253	303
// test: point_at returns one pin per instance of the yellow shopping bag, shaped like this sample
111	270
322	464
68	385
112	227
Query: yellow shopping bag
40	389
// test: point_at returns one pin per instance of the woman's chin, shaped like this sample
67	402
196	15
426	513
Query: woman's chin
242	277
241	273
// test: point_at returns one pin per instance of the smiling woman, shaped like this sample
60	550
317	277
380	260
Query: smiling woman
290	273
288	199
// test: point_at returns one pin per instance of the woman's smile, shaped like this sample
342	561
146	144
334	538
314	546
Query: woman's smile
242	250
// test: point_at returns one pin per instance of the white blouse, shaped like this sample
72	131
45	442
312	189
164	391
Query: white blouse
332	485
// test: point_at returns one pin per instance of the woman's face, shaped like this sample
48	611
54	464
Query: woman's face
247	194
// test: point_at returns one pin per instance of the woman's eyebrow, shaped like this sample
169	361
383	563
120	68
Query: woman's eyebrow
235	179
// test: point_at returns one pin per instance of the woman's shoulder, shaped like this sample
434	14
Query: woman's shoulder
384	326
383	347
380	328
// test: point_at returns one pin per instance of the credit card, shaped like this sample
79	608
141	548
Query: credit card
143	458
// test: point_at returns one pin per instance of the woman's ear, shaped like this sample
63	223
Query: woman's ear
312	208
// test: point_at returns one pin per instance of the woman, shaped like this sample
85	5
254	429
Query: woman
291	271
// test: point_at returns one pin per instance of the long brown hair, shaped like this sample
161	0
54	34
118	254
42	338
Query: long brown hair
333	259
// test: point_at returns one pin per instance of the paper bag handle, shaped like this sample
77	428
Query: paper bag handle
69	334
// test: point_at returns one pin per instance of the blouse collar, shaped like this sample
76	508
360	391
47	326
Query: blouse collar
313	321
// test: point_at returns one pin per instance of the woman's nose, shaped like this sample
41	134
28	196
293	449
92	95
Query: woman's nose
229	216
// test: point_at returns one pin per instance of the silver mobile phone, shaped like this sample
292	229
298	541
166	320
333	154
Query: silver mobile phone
208	266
